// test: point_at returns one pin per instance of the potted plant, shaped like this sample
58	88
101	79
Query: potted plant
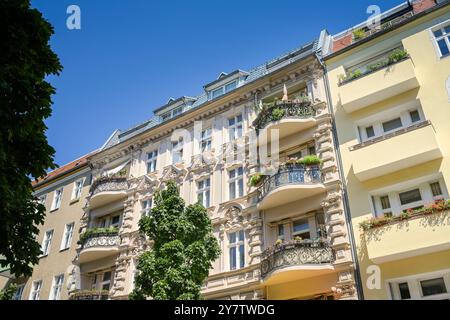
397	55
277	114
311	160
256	179
278	242
359	34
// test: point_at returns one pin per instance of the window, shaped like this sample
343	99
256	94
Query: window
172	113
442	38
19	292
94	282
224	89
370	132
115	221
236	183
203	192
410	196
166	116
57	199
177	152
436	189
433	286
151	161
36	290
47	242
77	188
58	281
237	249
300	228
415	116
177	111
281	231
404	291
146	207
106	281
235	127
392	125
67	237
42	199
206	141
386	206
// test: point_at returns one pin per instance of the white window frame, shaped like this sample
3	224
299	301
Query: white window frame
177	148
415	288
42	199
235	179
57	199
394	196
376	121
77	189
152	160
47	242
206	140
298	233
67	236
109	282
223	89
19	292
235	130
204	190
35	291
444	35
238	244
146	207
172	113
57	285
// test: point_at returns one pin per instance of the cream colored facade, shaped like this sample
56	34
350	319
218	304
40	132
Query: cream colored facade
393	129
58	236
254	216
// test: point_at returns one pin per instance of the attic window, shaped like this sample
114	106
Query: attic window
224	89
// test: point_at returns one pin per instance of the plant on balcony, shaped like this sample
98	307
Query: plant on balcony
89	233
279	242
378	65
277	114
255	179
397	55
8	292
311	160
359	34
88	293
297	238
439	205
184	248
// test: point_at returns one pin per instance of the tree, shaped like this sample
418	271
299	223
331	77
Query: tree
183	249
26	59
8	293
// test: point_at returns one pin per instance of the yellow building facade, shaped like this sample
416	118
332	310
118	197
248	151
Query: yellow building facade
390	94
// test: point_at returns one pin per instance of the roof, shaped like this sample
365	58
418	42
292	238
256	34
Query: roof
173	101
224	75
63	170
200	100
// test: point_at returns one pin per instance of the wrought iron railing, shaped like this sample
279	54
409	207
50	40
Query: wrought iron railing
101	240
89	295
290	175
108	184
284	110
296	253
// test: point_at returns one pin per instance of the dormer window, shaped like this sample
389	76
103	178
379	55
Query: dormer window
224	89
172	113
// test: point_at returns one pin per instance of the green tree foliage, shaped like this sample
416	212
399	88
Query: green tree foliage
183	250
25	102
8	293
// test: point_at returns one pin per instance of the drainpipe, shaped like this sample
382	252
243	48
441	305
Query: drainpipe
358	281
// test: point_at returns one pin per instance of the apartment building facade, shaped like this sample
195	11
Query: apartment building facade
390	97
282	236
63	192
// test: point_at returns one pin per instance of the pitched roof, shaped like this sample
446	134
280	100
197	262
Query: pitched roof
52	175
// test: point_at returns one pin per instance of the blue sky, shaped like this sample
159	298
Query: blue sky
130	56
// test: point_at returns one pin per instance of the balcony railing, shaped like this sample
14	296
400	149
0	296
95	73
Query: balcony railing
290	175
90	295
109	184
296	253
100	238
301	109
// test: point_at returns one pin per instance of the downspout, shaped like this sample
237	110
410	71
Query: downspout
358	280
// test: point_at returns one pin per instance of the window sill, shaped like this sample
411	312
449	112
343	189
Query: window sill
65	249
74	201
54	210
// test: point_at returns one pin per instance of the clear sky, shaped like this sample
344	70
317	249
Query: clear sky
131	56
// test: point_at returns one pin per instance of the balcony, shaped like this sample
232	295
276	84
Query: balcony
288	117
296	260
89	295
405	238
399	150
378	85
106	190
291	183
98	243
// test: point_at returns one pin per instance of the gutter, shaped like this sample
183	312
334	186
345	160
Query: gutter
347	212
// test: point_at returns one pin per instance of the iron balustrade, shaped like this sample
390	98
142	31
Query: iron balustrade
101	240
284	110
108	184
296	253
290	175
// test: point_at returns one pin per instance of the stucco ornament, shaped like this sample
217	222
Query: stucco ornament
73	281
